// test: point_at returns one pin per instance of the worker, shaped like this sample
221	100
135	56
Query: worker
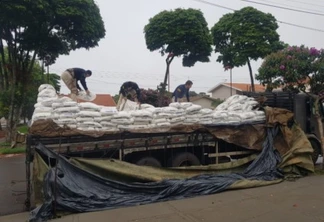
128	88
71	77
181	91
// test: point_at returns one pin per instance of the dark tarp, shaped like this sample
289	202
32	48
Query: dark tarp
75	190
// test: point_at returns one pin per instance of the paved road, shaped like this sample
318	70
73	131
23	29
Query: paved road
12	185
298	201
13	195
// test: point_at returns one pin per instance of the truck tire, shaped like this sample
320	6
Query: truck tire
148	161
317	150
184	159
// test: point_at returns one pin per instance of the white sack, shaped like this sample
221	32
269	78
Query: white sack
89	106
72	109
129	105
185	105
42	109
45	86
193	108
88	114
47	93
108	111
42	115
146	106
123	121
66	115
84	119
142	113
60	103
122	114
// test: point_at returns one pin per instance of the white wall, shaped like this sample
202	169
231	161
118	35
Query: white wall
223	92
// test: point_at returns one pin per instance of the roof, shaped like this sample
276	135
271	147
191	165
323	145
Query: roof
101	99
240	87
195	98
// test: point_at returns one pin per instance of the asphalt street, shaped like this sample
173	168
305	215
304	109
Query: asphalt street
12	184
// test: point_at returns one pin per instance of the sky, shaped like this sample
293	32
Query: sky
122	55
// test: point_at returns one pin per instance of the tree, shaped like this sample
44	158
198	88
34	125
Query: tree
298	69
245	35
217	102
179	32
31	93
192	93
44	29
152	97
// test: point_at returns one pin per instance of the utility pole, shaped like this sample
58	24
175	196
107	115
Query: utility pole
47	62
229	67
231	81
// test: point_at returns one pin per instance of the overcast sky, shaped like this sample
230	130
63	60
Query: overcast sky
123	56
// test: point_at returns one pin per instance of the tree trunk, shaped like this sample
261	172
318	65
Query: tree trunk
251	75
4	75
13	121
11	126
43	72
164	84
167	72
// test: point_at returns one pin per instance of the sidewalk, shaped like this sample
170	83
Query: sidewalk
301	200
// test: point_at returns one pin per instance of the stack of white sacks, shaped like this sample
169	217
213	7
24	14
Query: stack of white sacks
88	116
43	107
238	109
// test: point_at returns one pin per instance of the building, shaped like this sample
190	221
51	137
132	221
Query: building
203	101
223	90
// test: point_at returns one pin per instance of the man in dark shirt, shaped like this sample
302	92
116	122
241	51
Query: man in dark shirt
128	88
71	77
181	91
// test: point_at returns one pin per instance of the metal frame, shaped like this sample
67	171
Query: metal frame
124	143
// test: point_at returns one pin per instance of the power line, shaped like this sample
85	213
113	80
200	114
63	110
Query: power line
286	23
312	10
306	3
300	26
285	8
210	3
147	86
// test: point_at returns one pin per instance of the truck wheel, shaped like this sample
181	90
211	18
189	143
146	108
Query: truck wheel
317	150
148	161
185	159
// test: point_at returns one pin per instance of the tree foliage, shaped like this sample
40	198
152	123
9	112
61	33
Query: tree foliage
193	93
182	32
179	33
50	28
43	29
298	69
152	97
245	35
31	93
217	102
